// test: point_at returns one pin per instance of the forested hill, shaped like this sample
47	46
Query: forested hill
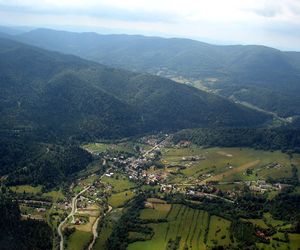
287	139
60	96
262	76
16	233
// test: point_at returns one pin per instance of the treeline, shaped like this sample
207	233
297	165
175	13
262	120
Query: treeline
260	138
21	234
128	222
34	163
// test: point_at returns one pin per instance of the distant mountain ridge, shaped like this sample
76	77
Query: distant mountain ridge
61	96
242	72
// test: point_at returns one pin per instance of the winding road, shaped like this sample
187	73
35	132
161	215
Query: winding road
94	229
71	214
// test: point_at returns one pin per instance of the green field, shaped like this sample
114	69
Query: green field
219	232
106	229
127	147
194	227
119	199
158	211
232	161
26	189
257	222
78	240
272	222
54	194
293	244
119	184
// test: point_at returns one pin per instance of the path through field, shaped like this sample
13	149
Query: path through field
232	171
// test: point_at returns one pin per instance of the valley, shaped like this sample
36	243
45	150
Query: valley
131	142
177	180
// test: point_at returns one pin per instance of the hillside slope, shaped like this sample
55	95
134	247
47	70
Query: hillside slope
59	95
240	72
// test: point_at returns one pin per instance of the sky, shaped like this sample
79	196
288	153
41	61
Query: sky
274	23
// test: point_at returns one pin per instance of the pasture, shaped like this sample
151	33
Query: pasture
107	225
119	199
78	240
55	195
155	209
122	147
195	228
118	182
226	164
26	189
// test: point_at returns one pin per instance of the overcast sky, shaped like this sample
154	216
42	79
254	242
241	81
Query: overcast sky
274	23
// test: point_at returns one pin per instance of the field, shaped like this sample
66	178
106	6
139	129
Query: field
54	194
278	240
119	184
293	244
78	240
226	164
106	230
257	222
194	227
27	189
127	147
119	199
87	227
156	209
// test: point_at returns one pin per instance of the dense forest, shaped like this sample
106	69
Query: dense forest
58	96
261	138
28	162
21	234
263	76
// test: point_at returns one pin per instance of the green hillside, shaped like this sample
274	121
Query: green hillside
265	77
55	96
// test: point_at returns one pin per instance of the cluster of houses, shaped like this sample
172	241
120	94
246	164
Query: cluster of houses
262	186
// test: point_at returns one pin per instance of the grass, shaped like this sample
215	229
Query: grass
293	244
119	199
119	184
127	147
258	222
229	164
159	211
107	228
294	241
87	227
272	222
55	195
187	223
78	240
218	233
26	189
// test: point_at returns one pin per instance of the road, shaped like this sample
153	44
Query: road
95	226
71	214
95	231
155	147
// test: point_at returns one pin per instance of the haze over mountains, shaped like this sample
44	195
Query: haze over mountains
58	95
261	76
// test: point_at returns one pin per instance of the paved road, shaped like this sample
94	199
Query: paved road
71	214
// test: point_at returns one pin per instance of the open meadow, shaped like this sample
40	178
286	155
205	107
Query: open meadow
226	164
196	229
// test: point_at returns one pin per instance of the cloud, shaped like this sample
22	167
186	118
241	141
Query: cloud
99	10
239	21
